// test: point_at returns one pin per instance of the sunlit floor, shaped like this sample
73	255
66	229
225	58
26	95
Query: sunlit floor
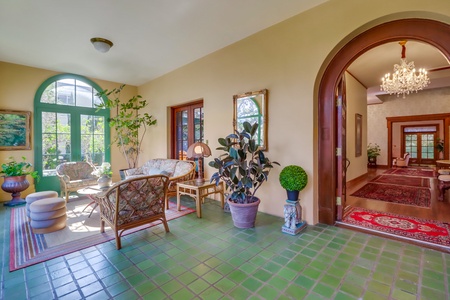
210	259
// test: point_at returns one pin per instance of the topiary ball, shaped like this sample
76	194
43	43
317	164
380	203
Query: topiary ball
293	178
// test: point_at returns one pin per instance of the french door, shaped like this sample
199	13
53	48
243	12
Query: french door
187	128
421	147
68	127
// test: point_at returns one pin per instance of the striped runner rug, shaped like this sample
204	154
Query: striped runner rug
27	248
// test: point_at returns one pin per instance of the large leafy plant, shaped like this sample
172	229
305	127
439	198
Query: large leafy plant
127	122
15	168
243	167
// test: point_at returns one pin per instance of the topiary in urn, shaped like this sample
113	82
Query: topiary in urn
294	179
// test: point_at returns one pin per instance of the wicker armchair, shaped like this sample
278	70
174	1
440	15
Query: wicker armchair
132	203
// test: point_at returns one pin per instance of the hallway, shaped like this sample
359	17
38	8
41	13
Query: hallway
438	210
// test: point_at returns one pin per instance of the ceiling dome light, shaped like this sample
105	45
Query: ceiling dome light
101	45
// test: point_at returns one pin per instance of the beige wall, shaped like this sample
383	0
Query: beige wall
287	59
356	104
18	86
433	101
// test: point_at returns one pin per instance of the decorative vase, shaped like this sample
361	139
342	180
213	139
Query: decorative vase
244	215
104	181
292	195
15	185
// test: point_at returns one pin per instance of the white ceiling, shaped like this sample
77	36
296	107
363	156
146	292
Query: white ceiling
151	37
154	37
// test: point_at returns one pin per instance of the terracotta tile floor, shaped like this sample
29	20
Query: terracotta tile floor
210	259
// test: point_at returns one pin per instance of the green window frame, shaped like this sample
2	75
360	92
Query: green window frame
68	126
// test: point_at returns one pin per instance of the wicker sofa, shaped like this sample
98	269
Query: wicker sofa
75	175
176	170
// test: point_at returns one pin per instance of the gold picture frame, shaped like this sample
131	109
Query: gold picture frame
15	130
251	107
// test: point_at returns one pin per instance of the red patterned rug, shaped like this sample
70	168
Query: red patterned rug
402	180
27	248
419	172
414	228
417	196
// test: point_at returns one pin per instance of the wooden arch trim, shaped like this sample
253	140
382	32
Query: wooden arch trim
429	31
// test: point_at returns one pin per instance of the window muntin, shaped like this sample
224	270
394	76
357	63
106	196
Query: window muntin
71	92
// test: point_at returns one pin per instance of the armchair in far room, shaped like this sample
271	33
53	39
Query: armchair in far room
403	161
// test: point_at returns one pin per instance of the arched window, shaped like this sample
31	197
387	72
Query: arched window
249	111
68	126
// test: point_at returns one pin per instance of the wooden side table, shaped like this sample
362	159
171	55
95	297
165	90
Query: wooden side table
199	192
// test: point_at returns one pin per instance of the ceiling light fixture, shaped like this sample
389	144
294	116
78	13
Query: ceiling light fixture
405	79
101	45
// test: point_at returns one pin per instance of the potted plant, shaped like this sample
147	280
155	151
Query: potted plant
244	168
104	175
373	150
293	179
15	175
127	122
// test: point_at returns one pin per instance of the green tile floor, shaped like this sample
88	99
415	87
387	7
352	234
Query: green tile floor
210	259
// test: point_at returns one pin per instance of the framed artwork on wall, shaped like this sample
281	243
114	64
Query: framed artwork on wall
15	130
358	135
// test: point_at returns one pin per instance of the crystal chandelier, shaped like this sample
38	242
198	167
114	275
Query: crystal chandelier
405	79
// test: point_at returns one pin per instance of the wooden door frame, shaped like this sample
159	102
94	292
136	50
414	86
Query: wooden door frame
428	31
173	110
445	118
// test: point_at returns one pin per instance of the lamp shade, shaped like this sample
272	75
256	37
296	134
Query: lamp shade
198	149
102	45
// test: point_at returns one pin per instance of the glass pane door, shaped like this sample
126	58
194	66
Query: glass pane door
93	139
421	147
56	141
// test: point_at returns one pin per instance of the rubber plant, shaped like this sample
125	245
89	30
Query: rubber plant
243	167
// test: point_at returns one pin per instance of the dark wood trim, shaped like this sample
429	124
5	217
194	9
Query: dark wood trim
432	117
428	31
190	106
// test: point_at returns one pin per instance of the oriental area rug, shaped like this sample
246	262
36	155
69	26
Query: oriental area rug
402	180
419	172
82	231
409	227
418	196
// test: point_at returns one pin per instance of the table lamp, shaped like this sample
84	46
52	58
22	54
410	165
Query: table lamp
199	150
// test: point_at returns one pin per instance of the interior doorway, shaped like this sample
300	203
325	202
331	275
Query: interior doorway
425	30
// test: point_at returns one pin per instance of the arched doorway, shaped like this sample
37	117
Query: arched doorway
432	32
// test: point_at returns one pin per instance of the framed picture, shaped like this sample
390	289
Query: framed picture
15	130
358	135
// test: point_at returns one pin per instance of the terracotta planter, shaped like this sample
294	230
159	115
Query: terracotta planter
15	185
244	215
